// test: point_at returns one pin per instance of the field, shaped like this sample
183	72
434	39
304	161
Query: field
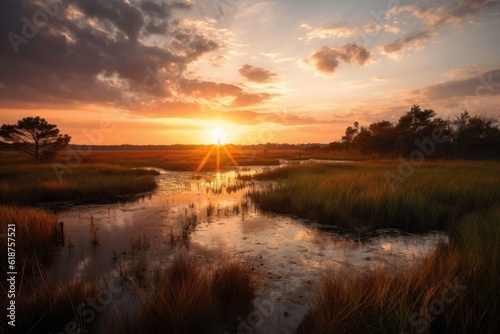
454	290
363	196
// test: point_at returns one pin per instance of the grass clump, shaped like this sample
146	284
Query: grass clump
234	286
55	307
189	299
359	197
455	290
36	233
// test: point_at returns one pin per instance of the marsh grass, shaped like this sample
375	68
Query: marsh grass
455	290
189	299
37	234
189	160
32	183
358	196
234	284
42	305
50	306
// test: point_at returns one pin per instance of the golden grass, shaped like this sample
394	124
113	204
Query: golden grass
359	197
455	290
189	299
234	286
36	232
45	307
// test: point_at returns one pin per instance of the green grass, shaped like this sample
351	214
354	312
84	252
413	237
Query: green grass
358	196
28	183
420	300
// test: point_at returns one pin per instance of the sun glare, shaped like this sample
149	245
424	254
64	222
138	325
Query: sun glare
219	136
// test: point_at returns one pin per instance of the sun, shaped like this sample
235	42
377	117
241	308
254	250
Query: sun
218	136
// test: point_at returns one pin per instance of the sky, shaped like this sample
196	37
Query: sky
186	72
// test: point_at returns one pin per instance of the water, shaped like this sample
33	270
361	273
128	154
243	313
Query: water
210	215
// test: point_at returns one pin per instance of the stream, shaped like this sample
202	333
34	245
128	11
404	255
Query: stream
209	215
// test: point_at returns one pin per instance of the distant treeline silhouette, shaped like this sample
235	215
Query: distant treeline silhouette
470	137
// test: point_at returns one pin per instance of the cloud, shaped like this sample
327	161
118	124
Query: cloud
334	31
250	99
326	60
465	72
257	74
277	57
380	78
124	54
206	90
342	30
480	86
435	19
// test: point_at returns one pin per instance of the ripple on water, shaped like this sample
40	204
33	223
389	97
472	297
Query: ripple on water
290	254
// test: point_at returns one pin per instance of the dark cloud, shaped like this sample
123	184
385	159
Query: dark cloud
485	84
257	74
435	19
326	59
155	9
92	52
125	17
412	39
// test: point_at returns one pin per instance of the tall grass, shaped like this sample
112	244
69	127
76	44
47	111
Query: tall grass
36	233
189	299
42	305
455	290
55	307
359	197
234	286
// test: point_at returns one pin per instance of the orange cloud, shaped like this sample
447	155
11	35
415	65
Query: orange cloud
257	74
326	60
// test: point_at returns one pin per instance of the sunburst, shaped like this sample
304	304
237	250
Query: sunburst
218	139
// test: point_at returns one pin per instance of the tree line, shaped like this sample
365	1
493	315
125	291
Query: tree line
464	137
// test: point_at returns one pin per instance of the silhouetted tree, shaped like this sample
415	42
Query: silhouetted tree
34	136
363	140
350	133
383	137
465	137
416	125
476	136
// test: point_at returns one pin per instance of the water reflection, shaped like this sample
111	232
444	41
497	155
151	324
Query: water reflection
210	215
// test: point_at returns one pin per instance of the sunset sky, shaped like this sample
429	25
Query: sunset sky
166	72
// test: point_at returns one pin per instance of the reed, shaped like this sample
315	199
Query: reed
455	290
190	299
27	184
359	197
37	233
234	284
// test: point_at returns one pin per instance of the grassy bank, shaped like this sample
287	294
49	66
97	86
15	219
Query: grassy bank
27	182
359	197
454	291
